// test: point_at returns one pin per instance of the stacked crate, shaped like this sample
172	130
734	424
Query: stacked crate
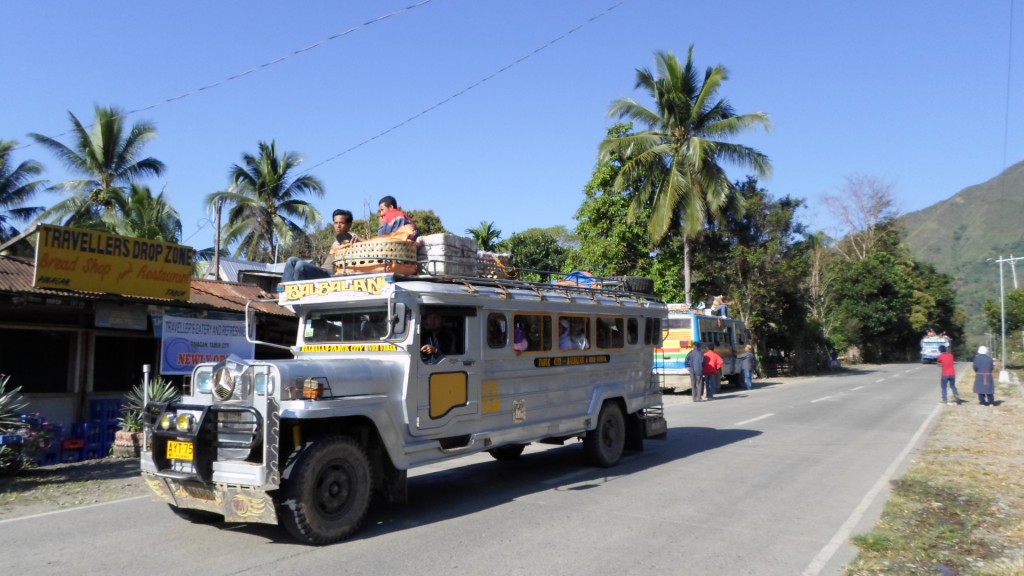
447	255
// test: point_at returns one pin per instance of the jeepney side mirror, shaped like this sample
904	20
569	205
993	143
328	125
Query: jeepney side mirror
398	320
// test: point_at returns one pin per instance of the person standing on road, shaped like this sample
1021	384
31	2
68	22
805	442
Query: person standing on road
712	364
946	361
984	385
695	366
746	360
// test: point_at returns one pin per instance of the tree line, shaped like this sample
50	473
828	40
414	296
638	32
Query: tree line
659	204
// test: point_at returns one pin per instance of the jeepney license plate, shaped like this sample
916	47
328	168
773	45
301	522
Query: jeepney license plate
179	450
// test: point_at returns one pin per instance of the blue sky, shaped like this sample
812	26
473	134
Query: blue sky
910	92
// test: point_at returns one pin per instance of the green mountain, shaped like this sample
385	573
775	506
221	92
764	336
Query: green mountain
961	234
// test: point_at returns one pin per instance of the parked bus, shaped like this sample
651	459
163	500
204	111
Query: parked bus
726	336
374	390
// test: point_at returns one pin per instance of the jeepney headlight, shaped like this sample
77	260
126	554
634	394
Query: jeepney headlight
165	421
186	422
223	383
204	381
260	381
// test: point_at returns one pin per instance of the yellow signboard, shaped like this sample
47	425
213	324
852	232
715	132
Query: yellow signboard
91	261
357	285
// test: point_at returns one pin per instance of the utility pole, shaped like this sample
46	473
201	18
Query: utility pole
216	243
1004	374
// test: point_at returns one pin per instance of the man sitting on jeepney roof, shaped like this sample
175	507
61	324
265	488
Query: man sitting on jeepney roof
298	269
392	219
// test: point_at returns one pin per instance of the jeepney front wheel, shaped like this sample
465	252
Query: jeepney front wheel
326	491
603	446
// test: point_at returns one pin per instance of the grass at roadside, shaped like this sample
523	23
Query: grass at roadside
959	508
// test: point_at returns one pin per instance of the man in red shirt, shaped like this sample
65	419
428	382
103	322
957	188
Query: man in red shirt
712	364
945	360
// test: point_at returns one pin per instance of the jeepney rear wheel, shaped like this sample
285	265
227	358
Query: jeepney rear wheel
603	446
326	491
507	453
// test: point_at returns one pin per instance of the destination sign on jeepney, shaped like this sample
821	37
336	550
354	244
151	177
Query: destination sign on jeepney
335	288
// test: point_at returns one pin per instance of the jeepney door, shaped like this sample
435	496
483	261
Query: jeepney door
446	387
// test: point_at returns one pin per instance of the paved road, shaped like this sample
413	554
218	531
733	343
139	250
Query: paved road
770	481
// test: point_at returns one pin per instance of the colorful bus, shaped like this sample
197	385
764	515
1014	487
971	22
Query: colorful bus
727	336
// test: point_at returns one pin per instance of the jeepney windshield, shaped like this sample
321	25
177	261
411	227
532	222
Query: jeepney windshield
356	325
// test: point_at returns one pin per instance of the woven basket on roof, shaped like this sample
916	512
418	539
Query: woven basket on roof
398	256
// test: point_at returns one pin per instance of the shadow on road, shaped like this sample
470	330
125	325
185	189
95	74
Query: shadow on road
474	487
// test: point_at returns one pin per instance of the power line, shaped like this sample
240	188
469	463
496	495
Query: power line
466	89
257	68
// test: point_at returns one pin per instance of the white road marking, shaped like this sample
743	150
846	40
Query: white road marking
843	534
820	399
42	514
761	417
880	380
855	388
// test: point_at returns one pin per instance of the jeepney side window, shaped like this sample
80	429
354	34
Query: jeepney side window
632	330
610	333
537	329
658	335
573	333
497	330
648	331
443	330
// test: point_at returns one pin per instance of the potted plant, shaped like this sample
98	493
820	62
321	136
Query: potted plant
128	440
11	403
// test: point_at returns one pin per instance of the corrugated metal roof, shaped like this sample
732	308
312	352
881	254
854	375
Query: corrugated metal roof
231	269
17	274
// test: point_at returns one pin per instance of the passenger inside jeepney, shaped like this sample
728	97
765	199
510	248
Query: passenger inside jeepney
436	339
572	333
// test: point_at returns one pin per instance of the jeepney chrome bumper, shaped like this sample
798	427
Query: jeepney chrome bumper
235	503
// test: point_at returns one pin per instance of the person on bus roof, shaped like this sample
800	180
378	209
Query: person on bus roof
720	306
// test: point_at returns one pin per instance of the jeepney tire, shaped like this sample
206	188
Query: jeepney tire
639	284
603	445
196	516
507	453
326	492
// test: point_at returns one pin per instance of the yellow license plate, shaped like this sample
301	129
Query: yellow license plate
179	450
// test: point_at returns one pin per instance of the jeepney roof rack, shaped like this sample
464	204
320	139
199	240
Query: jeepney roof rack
504	277
613	286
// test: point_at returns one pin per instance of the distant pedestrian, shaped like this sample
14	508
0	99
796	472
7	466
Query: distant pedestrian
946	361
984	385
695	366
746	360
712	364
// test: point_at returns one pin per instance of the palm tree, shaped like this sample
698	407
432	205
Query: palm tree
264	203
141	215
107	159
17	185
673	167
487	236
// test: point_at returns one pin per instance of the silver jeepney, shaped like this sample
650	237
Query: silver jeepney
308	442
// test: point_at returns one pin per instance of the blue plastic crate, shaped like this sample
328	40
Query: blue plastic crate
11	440
105	410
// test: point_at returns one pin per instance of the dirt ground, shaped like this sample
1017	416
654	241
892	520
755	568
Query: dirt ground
48	488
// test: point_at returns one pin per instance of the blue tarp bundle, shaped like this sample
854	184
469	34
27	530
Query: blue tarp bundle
579	278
